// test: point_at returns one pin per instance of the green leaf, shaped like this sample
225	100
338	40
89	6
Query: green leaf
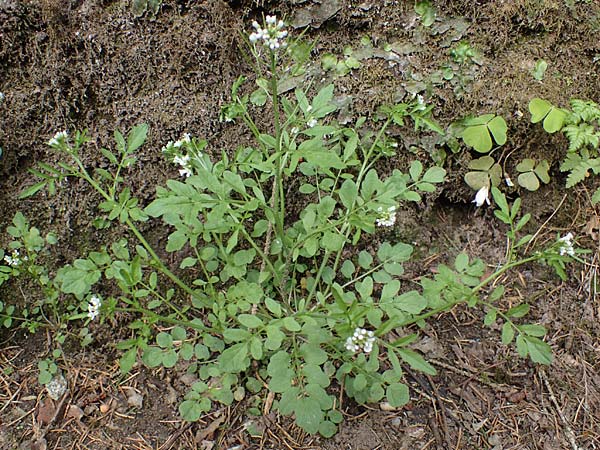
526	165
348	193
541	170
427	12
365	259
416	361
478	137
397	394
169	358
191	410
127	361
360	382
415	170
308	414
484	163
539	108
553	117
348	269
291	324
434	175
532	330
529	181
461	262
250	321
327	429
518	311
235	358
411	302
539	351
273	306
596	197
164	340
32	190
540	69
136	137
477	180
152	357
497	127
508	333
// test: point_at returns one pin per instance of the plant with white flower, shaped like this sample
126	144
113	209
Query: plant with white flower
14	259
361	340
184	162
387	217
59	139
312	122
272	35
184	140
566	245
482	196
94	307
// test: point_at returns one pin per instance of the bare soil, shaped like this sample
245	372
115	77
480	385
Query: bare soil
95	65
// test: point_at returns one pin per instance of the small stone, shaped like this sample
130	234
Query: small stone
104	408
75	412
396	422
134	399
56	387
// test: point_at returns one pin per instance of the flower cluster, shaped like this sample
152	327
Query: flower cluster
94	307
58	139
566	245
173	149
482	196
272	34
361	339
14	259
184	162
387	218
186	139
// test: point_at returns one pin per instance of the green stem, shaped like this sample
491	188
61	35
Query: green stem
152	315
474	290
161	266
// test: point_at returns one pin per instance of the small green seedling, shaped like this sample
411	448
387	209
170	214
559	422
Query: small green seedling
140	7
539	70
530	174
478	132
426	12
553	117
485	172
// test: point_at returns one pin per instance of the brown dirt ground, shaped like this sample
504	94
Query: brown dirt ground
92	64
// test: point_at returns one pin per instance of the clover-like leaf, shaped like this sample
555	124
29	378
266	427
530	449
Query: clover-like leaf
486	173
531	173
553	117
529	181
478	132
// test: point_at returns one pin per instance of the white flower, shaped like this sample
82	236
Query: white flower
508	181
1	97
14	259
94	307
58	139
386	218
361	339
312	122
184	162
482	196
272	35
566	245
